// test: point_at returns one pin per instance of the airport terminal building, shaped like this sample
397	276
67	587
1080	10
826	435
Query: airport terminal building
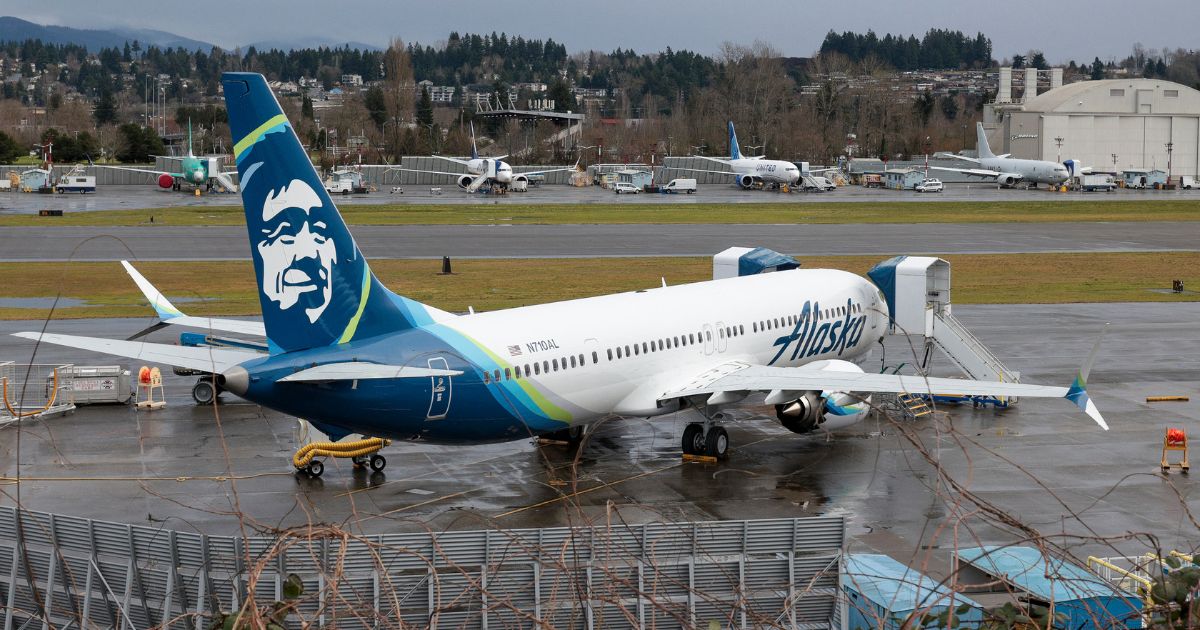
1092	121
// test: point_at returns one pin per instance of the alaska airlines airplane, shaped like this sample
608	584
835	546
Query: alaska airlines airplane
1005	170
350	356
748	171
493	171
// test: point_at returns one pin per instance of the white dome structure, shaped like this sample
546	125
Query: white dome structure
1134	119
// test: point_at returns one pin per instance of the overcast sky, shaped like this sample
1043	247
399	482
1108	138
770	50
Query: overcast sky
1063	30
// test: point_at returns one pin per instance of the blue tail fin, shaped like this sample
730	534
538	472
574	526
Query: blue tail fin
734	152
315	287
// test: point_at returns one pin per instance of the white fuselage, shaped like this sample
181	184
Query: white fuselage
769	171
636	346
1035	171
498	170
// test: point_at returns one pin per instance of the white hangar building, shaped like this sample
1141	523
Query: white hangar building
1135	119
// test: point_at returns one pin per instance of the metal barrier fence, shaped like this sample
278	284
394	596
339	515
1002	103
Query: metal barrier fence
65	571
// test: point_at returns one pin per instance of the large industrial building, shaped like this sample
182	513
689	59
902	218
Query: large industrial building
1110	125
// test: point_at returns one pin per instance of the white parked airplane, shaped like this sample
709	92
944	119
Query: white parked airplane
492	171
350	356
1005	170
749	171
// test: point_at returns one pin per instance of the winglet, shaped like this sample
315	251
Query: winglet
161	304
1078	390
474	149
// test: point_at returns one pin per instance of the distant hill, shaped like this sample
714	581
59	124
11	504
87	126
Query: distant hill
16	29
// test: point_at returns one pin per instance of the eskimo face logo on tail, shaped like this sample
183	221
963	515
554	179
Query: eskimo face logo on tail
296	250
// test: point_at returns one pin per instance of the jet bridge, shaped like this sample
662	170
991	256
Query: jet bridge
917	289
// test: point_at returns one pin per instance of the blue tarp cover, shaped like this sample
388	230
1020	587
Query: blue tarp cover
760	259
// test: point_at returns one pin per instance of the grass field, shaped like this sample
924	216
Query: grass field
1047	209
228	288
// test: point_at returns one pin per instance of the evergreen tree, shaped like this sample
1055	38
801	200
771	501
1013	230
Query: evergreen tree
9	149
560	93
106	108
1018	62
376	104
425	109
138	143
306	107
1097	70
1038	60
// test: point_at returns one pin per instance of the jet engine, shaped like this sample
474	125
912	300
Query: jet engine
1007	179
166	181
811	410
464	181
745	181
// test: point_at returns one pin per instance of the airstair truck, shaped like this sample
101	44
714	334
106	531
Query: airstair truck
917	290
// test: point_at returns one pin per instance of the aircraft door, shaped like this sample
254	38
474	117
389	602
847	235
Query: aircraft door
441	387
721	339
709	339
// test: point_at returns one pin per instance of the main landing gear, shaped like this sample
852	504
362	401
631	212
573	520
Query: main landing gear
706	438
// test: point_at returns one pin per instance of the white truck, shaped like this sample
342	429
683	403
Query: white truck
1092	182
682	185
1187	182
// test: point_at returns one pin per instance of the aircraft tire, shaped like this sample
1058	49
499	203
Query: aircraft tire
203	392
693	442
716	443
378	463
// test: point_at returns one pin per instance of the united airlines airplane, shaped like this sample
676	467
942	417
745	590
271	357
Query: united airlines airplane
750	170
350	356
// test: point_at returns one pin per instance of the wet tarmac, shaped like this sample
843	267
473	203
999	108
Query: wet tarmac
128	197
1041	464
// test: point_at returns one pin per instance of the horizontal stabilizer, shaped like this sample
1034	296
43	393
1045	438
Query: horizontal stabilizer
354	370
214	360
171	315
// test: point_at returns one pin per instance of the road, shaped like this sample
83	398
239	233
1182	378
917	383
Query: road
558	241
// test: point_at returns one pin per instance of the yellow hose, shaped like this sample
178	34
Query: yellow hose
359	448
15	413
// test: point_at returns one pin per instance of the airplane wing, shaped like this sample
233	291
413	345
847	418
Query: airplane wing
978	172
203	359
456	160
739	376
355	370
699	170
417	170
171	315
959	157
139	170
576	167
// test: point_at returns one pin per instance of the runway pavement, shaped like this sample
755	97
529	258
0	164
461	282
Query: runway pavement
556	241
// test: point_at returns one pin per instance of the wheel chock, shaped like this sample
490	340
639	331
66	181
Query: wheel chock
699	459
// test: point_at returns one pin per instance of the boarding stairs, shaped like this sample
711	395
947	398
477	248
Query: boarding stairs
966	351
225	182
916	406
918	291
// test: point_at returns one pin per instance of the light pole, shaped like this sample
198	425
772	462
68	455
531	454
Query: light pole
1114	157
1170	147
755	147
1058	140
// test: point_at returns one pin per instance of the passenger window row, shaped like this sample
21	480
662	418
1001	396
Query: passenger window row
654	345
537	368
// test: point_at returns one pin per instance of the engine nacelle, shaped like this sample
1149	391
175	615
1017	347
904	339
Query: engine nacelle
745	181
165	180
1008	180
825	410
464	181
